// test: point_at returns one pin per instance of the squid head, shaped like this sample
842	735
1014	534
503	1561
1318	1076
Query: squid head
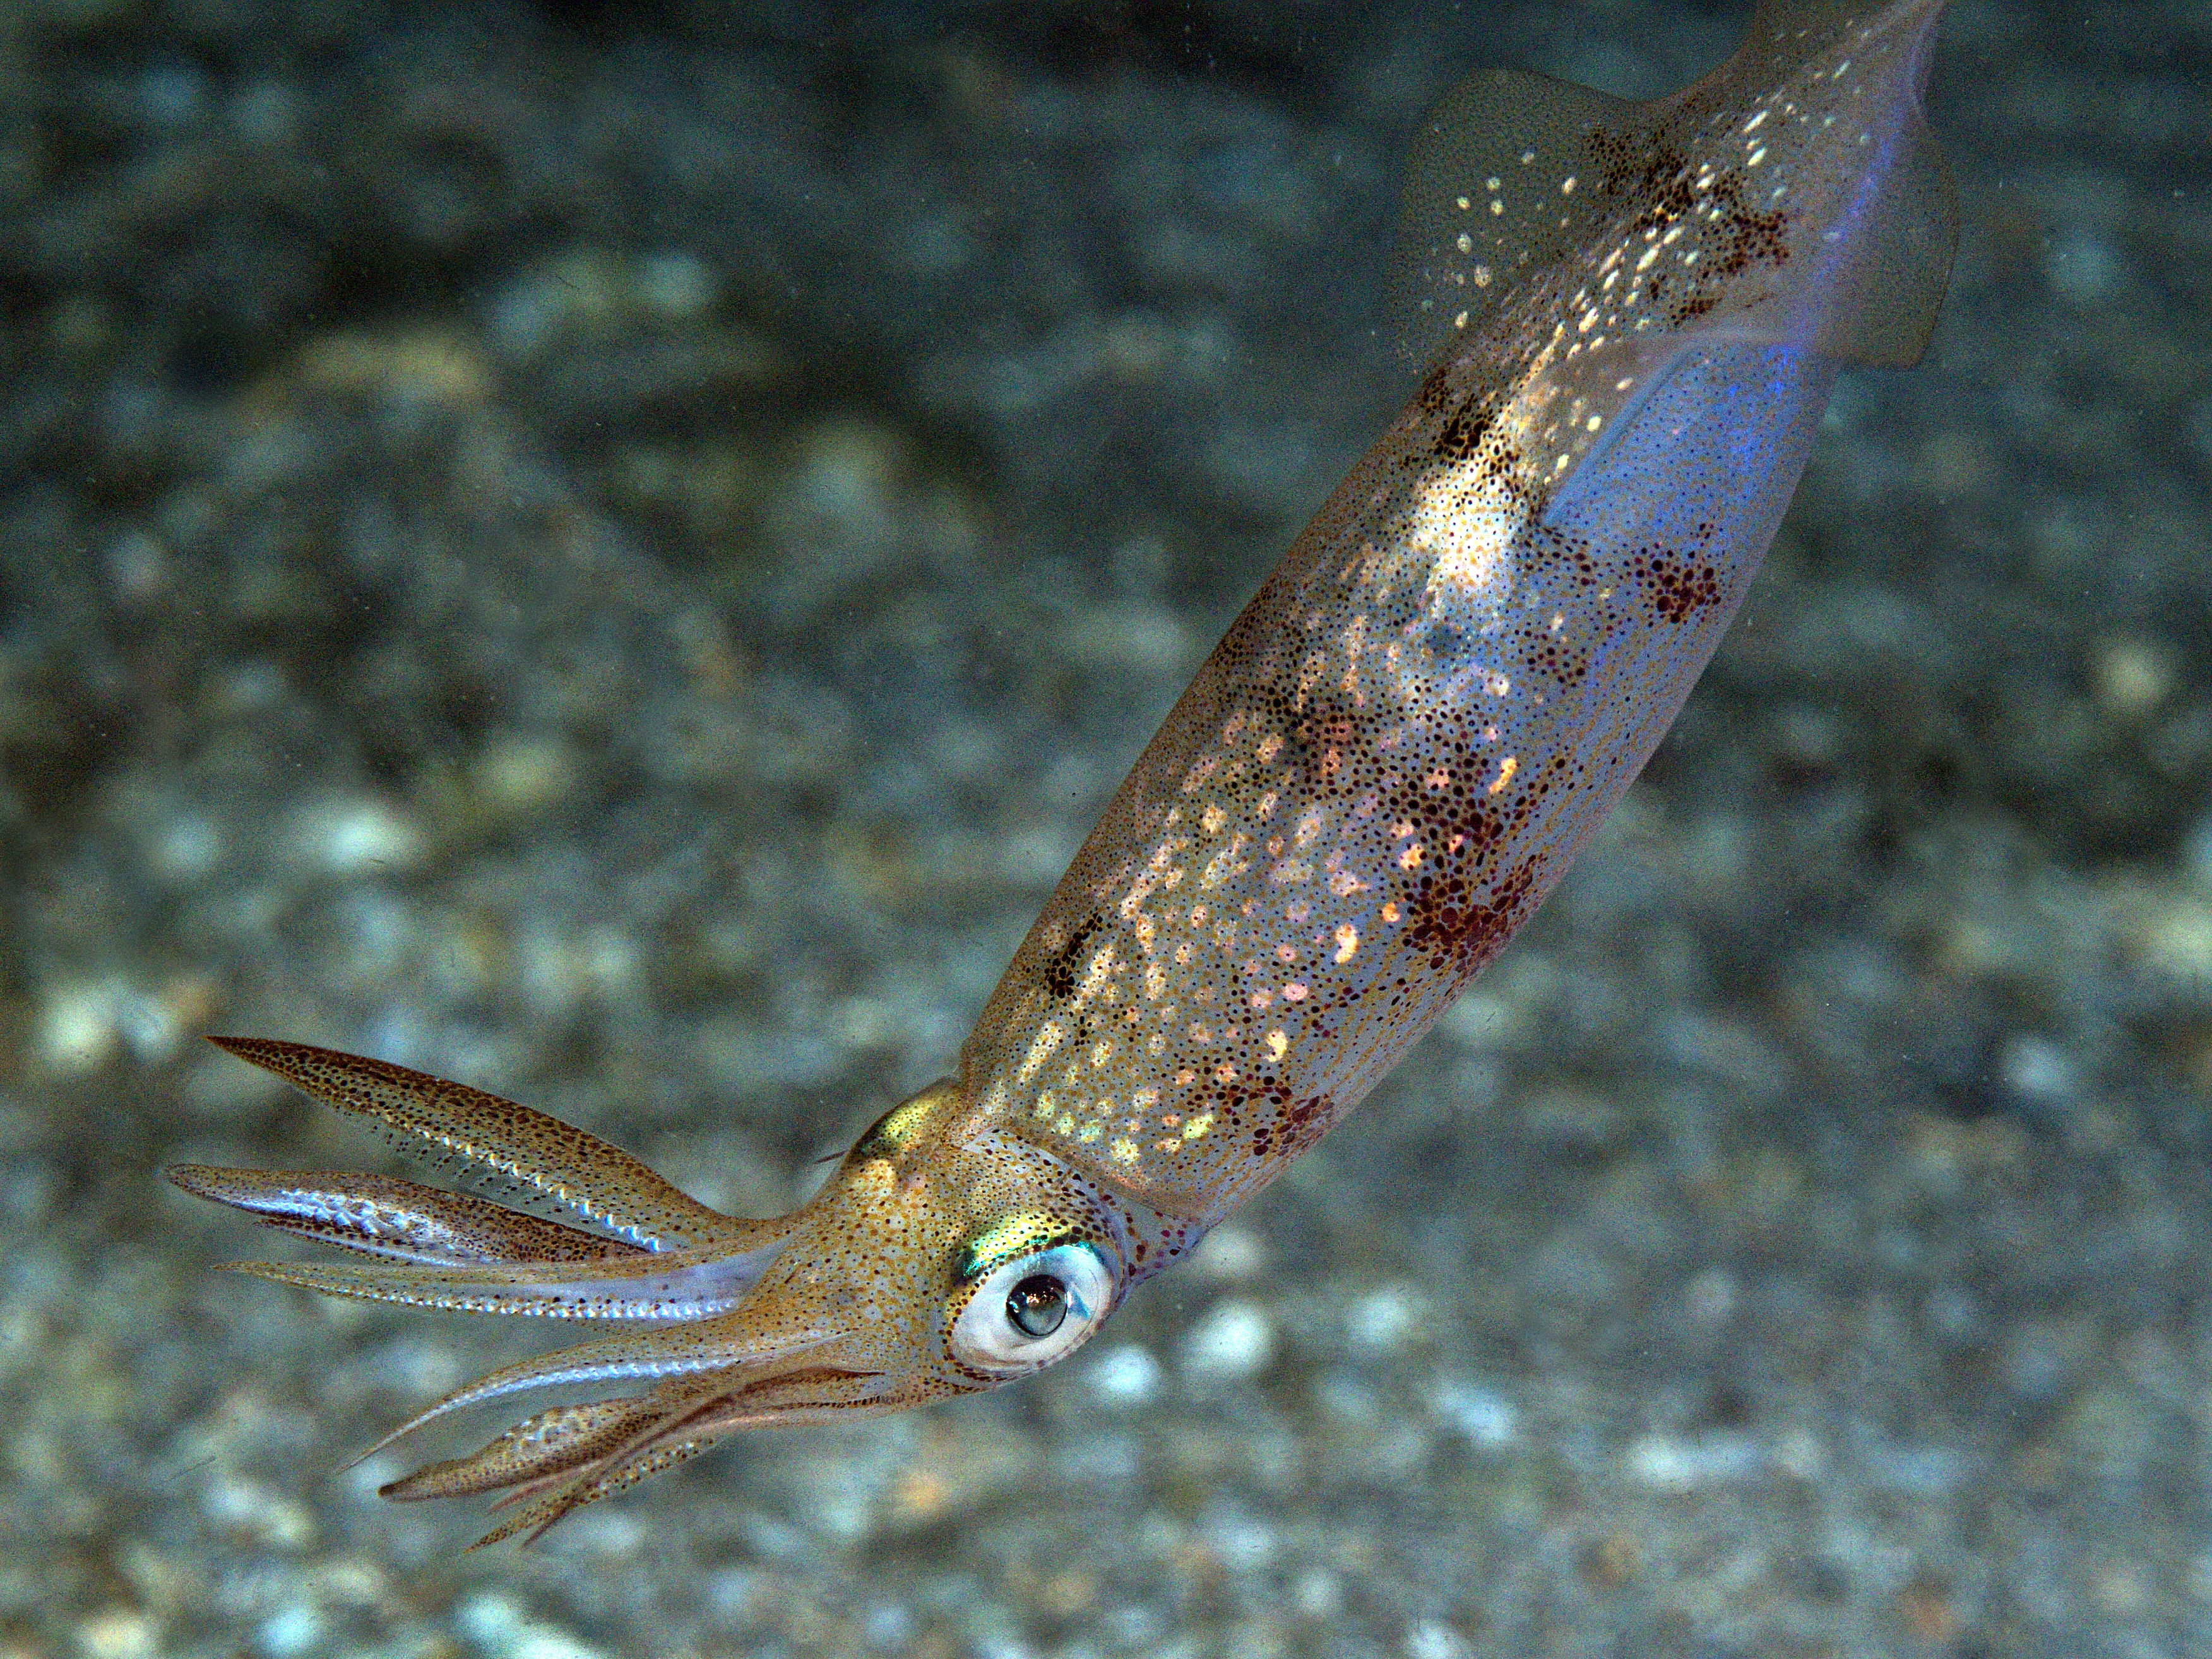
939	1259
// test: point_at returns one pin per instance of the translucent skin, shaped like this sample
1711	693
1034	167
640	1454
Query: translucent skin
1384	767
1474	648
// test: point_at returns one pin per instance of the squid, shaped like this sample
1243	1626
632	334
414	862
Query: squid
1632	315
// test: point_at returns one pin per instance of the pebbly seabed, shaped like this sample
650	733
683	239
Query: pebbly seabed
615	556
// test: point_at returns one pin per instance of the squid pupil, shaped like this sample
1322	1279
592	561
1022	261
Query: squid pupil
1037	1305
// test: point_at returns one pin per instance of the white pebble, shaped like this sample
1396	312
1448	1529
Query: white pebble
1482	1415
2131	678
2084	269
185	849
2038	1068
546	1642
1712	1298
501	1625
889	1626
289	1631
117	1634
1240	1542
1432	1638
1799	1452
248	1507
1230	1253
151	1025
1125	1376
491	1620
354	837
2196	1579
76	1027
1381	1320
1230	1344
1319	1594
80	1023
1664	1461
1480	1020
679	286
138	567
520	774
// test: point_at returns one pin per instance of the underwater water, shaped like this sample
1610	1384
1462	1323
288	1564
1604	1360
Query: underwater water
614	554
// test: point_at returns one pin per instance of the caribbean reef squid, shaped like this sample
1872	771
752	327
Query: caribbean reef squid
1632	315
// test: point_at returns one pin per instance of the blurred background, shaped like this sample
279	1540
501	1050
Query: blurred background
612	552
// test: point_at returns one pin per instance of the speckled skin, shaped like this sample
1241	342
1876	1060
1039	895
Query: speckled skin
1391	758
1474	648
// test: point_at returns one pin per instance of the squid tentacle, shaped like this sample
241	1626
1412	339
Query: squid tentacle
524	1152
400	1220
680	1431
550	1443
674	1350
534	1520
690	1285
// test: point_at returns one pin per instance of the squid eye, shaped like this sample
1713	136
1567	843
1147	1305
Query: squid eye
1037	1305
1034	1309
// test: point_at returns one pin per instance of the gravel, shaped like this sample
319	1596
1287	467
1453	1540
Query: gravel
613	554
